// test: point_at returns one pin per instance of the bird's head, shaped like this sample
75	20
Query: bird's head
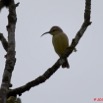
53	31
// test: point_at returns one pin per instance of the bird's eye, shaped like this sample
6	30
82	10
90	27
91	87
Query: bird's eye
54	30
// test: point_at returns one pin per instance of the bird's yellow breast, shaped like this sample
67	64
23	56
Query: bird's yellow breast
60	42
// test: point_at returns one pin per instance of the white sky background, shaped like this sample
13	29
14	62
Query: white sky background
79	84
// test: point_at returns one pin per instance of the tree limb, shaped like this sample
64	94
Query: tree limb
4	42
83	28
56	66
10	58
35	82
4	3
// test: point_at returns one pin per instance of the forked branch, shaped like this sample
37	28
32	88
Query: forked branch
55	67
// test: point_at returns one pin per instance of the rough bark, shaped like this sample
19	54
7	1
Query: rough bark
10	48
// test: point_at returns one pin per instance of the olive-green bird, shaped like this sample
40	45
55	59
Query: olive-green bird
60	42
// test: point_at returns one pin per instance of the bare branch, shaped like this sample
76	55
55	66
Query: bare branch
83	28
35	82
4	42
4	3
56	66
10	58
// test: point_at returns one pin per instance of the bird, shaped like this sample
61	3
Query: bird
60	42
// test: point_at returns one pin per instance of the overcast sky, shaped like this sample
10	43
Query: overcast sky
84	80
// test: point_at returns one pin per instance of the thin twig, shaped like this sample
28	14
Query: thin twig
4	42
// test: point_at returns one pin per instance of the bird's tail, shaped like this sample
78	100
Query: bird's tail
65	64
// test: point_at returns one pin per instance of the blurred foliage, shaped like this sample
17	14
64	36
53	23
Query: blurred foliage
13	99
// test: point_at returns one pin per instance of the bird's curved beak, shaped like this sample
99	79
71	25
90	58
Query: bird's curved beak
45	33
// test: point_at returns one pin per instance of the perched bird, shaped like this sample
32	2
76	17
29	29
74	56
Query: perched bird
60	42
